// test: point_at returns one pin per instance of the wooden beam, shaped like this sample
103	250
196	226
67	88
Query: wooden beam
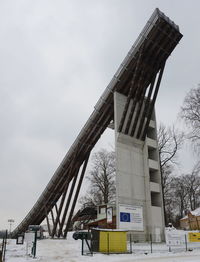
76	196
132	86
151	105
67	204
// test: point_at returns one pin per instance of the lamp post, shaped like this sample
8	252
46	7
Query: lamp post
10	220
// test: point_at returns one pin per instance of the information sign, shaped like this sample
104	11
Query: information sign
194	237
29	237
131	217
174	237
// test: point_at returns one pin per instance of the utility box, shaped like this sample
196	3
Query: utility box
109	241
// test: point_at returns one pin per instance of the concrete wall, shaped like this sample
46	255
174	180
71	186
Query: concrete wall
138	175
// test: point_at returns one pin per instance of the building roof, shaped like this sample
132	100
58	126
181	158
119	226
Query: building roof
195	212
85	213
109	229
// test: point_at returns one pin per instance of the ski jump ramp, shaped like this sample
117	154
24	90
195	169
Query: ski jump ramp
138	79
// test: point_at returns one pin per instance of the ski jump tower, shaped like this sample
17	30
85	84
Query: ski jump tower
139	191
128	102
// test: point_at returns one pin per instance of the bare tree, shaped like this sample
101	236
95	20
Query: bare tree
167	178
193	187
183	194
190	113
170	141
170	206
180	195
102	187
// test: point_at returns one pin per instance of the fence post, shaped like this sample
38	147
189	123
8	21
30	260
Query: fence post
91	241
131	244
82	246
151	243
108	244
4	246
91	248
185	242
2	249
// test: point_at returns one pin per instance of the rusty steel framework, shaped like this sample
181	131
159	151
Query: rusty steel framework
138	77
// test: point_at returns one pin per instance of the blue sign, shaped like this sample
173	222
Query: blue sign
125	217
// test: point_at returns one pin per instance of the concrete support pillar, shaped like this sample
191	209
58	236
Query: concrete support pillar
139	192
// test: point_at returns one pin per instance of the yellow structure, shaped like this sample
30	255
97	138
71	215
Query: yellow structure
194	237
113	241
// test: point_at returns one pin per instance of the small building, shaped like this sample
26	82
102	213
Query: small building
106	217
191	221
101	216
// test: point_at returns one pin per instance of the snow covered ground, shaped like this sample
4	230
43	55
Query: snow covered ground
50	250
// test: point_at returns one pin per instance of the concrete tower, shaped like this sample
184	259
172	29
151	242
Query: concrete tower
139	190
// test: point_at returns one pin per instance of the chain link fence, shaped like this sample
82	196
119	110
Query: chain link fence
117	243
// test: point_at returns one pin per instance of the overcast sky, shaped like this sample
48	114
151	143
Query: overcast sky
56	59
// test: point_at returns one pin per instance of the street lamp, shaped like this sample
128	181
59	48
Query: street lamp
10	220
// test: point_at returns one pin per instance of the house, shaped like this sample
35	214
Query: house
106	217
102	216
191	221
